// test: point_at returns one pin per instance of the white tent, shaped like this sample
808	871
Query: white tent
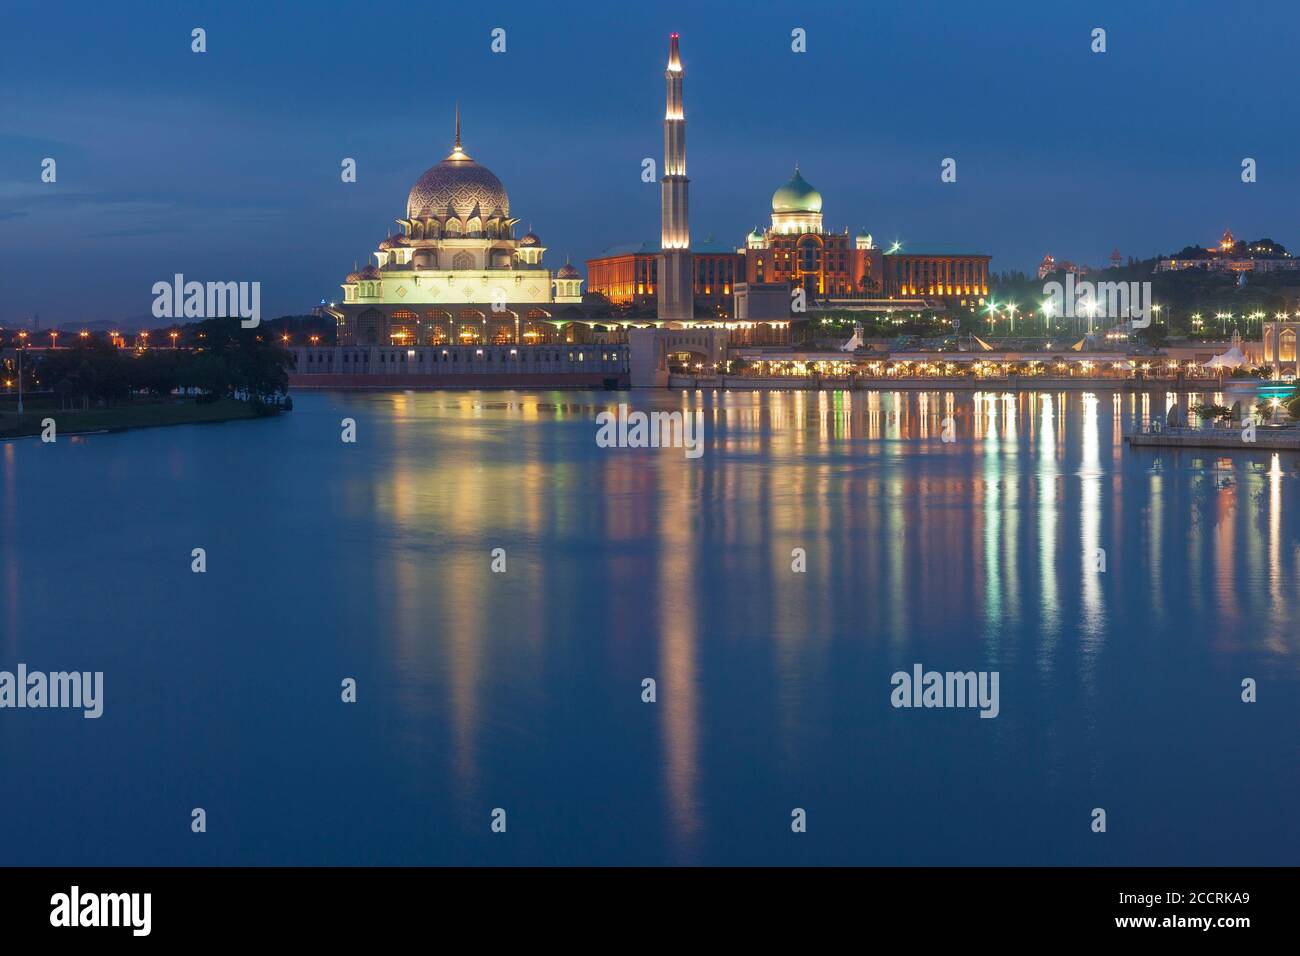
1229	359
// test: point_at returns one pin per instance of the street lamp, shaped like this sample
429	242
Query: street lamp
175	336
54	340
22	337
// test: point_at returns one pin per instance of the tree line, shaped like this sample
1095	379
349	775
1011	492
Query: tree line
218	359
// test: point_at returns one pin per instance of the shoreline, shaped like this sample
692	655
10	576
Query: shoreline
104	421
1013	384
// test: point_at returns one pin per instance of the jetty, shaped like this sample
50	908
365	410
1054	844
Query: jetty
1237	438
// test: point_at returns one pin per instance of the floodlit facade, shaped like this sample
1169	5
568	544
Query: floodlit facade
456	274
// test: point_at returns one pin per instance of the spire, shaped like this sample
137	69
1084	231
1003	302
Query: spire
456	152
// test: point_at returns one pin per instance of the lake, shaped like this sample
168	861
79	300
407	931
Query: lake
1120	689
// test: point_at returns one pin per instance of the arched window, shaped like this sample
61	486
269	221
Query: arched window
402	327
370	326
452	229
438	327
462	261
469	327
537	330
809	255
1286	346
502	327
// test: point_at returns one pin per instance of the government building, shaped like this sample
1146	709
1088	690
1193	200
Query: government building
835	269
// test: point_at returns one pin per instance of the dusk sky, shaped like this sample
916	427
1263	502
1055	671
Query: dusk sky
225	165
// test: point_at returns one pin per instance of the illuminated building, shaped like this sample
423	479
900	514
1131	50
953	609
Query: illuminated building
834	268
1050	265
675	301
797	251
628	277
1280	352
456	275
1232	255
950	279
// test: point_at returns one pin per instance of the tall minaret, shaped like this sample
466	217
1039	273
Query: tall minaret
676	300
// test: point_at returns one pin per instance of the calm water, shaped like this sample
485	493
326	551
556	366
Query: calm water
522	690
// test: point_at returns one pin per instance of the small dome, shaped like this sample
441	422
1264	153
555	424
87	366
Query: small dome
369	272
797	196
568	272
354	276
756	233
530	240
393	242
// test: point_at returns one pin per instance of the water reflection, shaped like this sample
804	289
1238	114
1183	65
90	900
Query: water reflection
483	689
865	483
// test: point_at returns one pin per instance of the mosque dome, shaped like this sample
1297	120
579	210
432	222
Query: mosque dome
797	196
354	276
393	242
369	272
459	183
567	271
530	239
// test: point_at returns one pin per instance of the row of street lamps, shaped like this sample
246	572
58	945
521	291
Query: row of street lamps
1198	320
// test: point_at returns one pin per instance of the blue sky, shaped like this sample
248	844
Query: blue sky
225	165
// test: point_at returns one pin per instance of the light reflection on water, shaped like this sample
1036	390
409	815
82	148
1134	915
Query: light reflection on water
522	690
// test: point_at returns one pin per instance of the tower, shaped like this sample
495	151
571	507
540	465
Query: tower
676	299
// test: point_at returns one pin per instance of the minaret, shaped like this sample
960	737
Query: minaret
676	300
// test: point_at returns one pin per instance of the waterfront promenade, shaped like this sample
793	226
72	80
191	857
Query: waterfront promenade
924	383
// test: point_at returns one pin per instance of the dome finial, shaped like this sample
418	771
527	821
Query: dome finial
456	147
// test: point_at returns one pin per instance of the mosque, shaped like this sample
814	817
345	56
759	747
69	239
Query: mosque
456	274
456	298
